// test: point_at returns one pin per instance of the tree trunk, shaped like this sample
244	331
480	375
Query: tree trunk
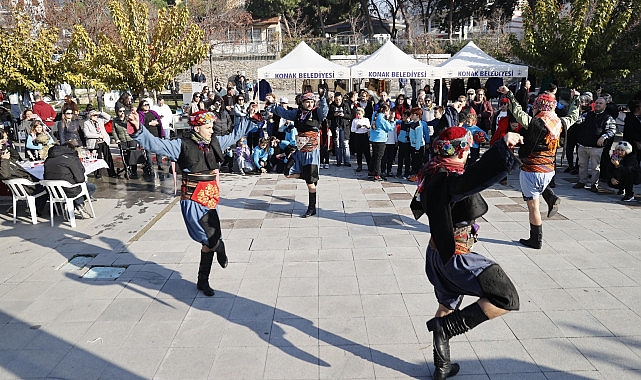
368	17
320	16
289	34
449	20
408	24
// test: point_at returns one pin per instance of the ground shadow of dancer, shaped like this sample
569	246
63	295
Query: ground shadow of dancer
152	280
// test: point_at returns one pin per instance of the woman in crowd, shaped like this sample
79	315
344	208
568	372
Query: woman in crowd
37	140
484	110
98	139
196	104
378	137
625	170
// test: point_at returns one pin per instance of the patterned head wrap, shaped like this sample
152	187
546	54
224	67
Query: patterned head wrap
453	141
545	102
307	96
201	118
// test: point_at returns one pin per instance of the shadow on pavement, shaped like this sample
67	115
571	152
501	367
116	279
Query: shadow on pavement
27	351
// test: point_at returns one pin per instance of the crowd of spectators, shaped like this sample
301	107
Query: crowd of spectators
389	137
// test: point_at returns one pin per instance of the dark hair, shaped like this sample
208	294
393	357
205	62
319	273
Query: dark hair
159	97
551	87
634	105
384	107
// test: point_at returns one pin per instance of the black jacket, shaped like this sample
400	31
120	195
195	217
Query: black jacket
632	131
343	122
200	161
451	200
63	163
223	124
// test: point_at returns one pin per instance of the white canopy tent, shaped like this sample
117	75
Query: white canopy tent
391	62
303	63
471	61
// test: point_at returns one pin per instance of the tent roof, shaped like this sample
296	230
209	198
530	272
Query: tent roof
303	63
471	61
391	62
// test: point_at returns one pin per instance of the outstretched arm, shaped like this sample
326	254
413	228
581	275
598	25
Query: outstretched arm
169	148
246	125
515	108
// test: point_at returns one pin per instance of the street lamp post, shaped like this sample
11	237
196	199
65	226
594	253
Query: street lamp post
211	68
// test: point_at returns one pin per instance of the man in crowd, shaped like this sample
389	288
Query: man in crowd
63	163
199	76
44	110
523	94
595	128
11	169
165	114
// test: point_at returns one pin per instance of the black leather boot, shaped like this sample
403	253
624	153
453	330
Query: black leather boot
536	237
206	259
444	328
221	254
311	208
552	200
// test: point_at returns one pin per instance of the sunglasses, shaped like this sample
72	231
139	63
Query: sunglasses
145	105
68	113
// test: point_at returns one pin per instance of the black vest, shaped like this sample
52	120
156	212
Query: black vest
592	128
308	123
198	161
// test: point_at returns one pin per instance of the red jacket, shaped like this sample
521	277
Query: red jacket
45	111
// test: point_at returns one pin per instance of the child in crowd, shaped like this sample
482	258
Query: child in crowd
228	161
360	134
277	158
417	142
431	126
261	155
244	157
388	154
404	146
478	134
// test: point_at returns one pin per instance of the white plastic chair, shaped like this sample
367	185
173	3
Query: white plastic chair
57	195
17	187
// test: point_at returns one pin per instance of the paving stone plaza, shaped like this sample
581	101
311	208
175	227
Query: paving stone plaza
342	295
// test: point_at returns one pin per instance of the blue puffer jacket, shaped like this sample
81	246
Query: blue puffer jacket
382	127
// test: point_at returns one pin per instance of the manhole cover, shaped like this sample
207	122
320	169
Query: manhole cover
76	263
110	273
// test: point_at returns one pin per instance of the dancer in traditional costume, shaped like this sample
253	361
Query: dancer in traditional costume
199	157
448	193
303	163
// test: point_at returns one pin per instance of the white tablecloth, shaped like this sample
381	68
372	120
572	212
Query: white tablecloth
38	169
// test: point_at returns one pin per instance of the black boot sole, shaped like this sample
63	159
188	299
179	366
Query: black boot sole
441	373
206	289
553	209
530	244
309	213
221	255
